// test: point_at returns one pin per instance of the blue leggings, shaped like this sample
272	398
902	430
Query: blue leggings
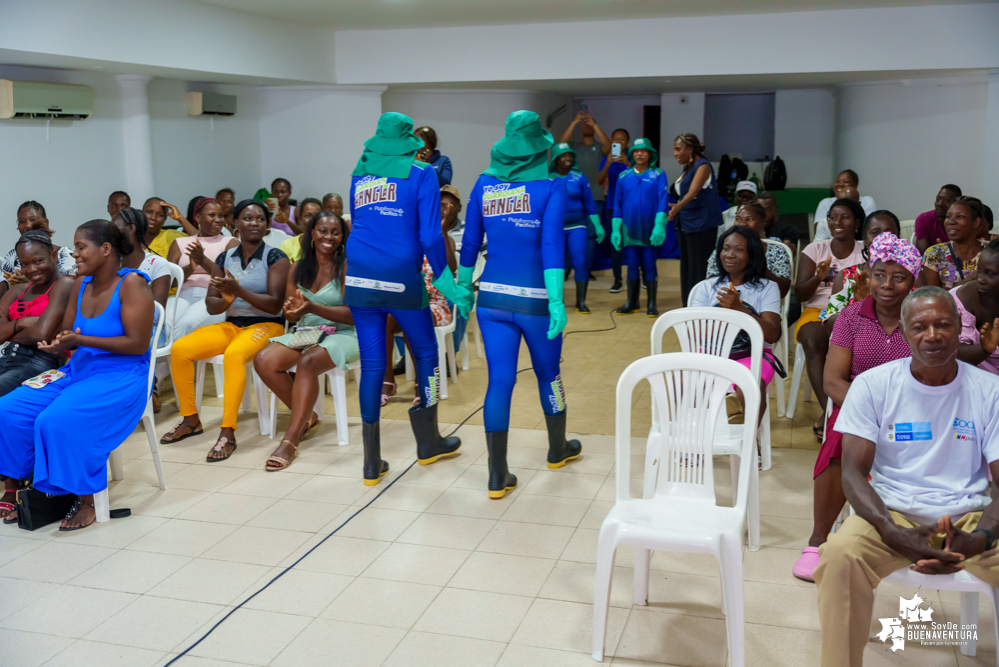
636	256
418	325
501	334
576	241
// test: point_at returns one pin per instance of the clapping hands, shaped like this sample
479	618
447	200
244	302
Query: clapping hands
296	305
227	287
64	340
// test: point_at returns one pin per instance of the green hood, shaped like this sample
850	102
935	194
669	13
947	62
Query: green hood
644	144
392	151
559	150
522	154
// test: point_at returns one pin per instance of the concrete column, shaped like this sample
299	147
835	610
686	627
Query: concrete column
137	135
990	167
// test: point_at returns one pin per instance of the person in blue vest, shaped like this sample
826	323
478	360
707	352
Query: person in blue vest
521	207
396	220
579	206
639	223
697	214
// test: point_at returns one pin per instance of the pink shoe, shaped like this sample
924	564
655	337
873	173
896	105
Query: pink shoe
806	564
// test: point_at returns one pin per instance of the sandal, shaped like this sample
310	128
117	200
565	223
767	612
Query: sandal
190	434
220	446
8	508
386	397
72	512
819	432
280	463
314	423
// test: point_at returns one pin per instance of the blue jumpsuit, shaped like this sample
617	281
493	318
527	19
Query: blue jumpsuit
637	199
578	209
524	223
395	223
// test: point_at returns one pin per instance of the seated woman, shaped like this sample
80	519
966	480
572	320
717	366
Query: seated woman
853	283
306	209
197	255
158	240
953	263
100	395
315	301
820	263
754	216
742	282
248	285
31	215
133	225
867	333
978	305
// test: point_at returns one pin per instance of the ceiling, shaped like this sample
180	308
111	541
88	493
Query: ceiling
387	14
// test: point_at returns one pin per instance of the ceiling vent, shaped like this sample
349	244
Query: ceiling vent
30	99
210	104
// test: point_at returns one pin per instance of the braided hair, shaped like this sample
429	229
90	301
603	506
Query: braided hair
137	220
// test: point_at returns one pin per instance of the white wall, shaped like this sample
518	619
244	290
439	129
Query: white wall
313	135
70	168
614	112
905	141
990	168
805	135
681	113
198	155
469	123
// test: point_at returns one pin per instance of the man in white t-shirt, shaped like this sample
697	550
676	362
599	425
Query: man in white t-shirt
927	432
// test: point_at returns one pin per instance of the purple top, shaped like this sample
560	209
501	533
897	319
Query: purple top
970	336
928	227
857	329
283	227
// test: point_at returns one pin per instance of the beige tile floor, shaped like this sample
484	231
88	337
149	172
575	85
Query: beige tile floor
433	573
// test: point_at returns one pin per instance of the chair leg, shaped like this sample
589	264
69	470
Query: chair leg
765	438
219	380
320	407
102	506
733	469
642	558
154	445
263	417
452	361
114	461
339	382
272	413
799	368
464	351
199	384
779	382
601	588
410	366
969	618
478	333
753	506
442	363
731	573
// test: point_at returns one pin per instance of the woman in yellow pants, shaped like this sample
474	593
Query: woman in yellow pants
248	285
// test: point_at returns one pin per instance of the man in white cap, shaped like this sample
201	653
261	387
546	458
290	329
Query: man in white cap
745	192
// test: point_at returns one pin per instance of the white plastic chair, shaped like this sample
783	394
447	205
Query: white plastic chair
713	331
338	387
251	385
682	515
162	368
445	356
780	347
796	375
102	505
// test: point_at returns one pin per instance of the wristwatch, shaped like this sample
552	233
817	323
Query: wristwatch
991	540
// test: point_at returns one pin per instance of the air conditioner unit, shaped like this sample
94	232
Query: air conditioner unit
210	104
30	99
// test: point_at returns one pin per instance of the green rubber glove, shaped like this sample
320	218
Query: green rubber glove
465	275
554	279
447	286
659	231
616	233
595	219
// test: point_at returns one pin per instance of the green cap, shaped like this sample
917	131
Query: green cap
524	135
394	136
645	145
561	149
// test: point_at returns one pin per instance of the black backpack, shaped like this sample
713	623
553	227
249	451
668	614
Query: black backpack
730	172
775	175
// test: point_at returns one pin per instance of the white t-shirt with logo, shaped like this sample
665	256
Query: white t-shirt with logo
932	442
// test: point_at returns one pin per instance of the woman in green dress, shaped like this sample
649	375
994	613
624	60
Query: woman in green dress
315	303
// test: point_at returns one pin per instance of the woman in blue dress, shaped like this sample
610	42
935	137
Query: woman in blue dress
579	206
61	434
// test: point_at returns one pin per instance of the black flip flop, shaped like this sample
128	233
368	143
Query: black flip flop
228	442
183	437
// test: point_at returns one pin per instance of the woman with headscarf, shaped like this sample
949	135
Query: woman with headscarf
395	207
520	206
639	223
579	206
867	333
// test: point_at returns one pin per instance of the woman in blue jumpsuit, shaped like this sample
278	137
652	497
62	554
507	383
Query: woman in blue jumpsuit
579	206
396	214
521	208
639	223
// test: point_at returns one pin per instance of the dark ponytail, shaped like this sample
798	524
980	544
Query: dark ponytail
100	232
138	221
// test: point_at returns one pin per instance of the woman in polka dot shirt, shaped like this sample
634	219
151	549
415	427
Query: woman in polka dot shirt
867	333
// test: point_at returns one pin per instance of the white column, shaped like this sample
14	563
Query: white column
990	167
137	135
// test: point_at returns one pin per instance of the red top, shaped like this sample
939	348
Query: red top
33	308
857	328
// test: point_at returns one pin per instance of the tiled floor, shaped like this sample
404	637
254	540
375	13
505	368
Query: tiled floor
433	573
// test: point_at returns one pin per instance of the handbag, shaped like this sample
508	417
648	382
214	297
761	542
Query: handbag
36	509
742	347
308	336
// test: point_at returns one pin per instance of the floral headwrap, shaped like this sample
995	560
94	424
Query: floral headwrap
889	248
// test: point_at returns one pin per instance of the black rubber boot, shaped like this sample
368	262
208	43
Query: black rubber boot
374	467
581	298
500	479
650	296
560	450
632	304
430	445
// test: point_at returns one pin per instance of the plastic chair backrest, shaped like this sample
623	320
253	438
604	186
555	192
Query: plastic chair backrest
785	304
157	330
177	275
690	389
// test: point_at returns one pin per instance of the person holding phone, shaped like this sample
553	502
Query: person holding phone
611	167
593	145
579	208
